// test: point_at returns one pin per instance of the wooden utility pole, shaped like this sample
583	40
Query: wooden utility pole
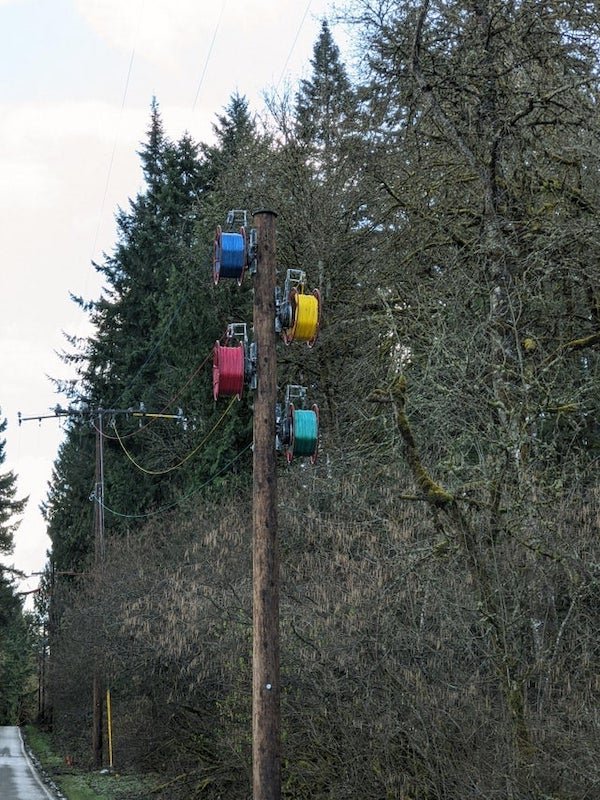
266	737
98	689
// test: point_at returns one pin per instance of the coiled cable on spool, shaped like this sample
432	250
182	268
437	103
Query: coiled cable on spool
305	317
304	433
228	370
230	255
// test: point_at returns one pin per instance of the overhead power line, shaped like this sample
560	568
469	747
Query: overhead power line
179	501
117	134
293	46
162	414
208	55
183	460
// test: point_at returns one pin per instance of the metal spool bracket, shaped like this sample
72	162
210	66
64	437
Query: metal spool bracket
284	310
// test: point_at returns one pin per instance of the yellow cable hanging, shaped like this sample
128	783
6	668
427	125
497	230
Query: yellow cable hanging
189	455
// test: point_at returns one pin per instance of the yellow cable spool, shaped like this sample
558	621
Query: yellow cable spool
306	317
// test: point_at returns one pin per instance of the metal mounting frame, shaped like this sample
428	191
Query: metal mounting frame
237	216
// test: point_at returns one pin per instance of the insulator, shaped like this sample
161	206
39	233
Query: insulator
228	370
230	255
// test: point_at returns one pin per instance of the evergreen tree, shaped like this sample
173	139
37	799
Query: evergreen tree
15	666
17	662
235	133
129	363
68	509
318	173
9	506
325	103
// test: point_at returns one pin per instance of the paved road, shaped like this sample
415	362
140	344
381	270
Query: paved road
18	778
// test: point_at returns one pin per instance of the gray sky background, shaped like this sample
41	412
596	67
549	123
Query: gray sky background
77	80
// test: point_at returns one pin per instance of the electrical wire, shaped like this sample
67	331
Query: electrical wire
114	149
306	318
306	432
208	55
289	55
184	460
152	418
170	506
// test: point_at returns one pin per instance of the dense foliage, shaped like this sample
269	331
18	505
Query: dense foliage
17	632
440	561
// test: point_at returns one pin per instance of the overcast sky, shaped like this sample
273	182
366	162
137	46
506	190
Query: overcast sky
77	80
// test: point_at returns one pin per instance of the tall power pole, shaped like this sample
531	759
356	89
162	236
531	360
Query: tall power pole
266	736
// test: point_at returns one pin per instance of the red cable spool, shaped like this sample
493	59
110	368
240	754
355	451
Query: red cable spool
228	370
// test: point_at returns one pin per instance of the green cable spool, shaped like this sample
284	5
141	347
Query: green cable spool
305	426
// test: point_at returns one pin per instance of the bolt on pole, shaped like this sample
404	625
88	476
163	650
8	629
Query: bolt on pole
266	736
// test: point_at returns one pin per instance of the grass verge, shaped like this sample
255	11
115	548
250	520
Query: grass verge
77	784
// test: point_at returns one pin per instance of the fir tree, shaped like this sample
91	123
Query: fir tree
325	102
14	661
9	506
234	131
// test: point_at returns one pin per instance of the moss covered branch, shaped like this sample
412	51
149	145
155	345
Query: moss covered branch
432	491
583	342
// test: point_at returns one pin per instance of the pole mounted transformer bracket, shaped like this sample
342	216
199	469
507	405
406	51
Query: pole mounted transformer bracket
282	431
251	361
294	279
239	331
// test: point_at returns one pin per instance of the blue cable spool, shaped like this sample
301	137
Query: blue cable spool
230	255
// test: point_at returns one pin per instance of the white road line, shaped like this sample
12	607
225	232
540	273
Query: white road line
33	770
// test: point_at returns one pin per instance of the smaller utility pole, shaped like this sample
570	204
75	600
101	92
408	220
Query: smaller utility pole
97	682
98	690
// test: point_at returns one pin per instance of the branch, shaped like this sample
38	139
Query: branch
583	342
433	492
424	86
